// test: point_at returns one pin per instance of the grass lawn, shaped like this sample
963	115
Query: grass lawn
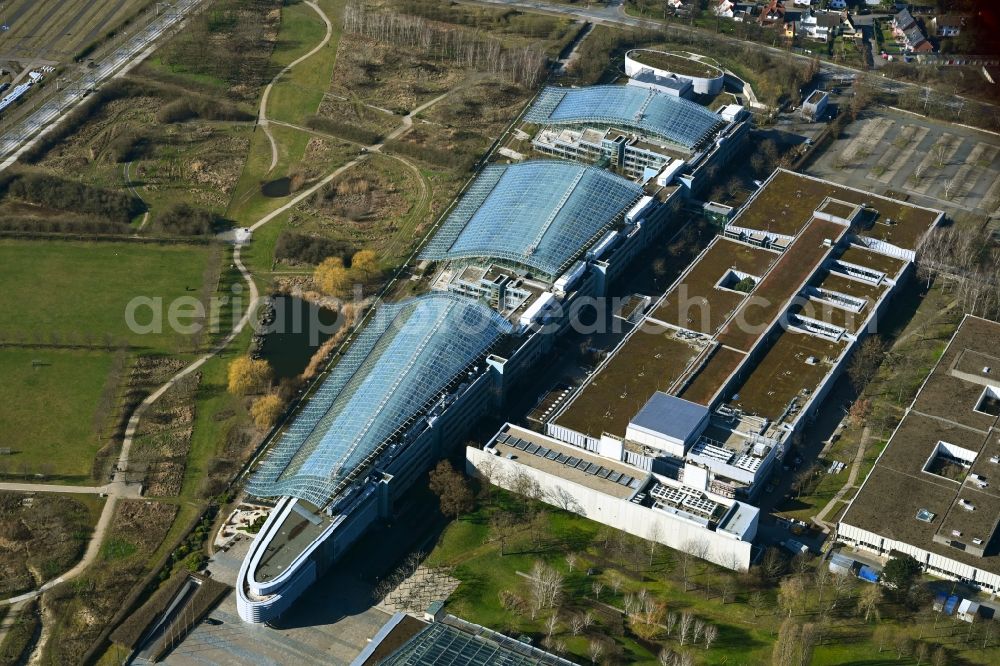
77	292
299	93
47	411
745	636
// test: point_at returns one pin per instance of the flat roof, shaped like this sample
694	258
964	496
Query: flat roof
696	301
793	367
845	284
712	374
880	262
786	202
651	360
570	462
676	63
784	280
671	416
301	526
902	483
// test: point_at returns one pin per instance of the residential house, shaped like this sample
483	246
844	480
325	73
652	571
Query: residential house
773	13
947	26
908	34
725	8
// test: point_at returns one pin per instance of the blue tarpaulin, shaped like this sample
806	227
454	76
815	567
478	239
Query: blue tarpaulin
949	606
869	574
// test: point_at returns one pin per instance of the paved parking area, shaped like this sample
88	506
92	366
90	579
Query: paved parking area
330	624
936	164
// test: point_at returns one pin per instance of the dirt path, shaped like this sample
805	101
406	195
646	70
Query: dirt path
852	478
262	115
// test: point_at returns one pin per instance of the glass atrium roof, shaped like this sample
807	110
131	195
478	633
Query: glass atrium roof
442	644
540	214
671	118
400	362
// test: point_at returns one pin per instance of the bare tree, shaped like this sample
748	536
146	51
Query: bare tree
671	623
684	629
864	364
698	631
596	650
576	624
711	635
571	560
773	564
502	528
868	602
551	624
597	587
903	645
546	587
727	588
756	601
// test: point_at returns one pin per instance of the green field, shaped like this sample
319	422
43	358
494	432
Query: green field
72	292
298	93
748	625
47	410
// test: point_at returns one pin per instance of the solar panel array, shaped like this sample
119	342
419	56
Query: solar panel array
541	214
667	117
573	462
402	360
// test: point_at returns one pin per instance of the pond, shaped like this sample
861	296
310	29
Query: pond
280	187
298	329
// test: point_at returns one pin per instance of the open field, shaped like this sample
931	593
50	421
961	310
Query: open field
125	147
747	610
59	29
44	535
80	611
65	386
77	293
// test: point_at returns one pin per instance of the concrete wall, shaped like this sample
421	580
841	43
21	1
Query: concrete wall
702	85
935	564
621	514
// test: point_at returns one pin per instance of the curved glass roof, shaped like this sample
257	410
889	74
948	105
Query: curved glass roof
539	214
402	360
657	114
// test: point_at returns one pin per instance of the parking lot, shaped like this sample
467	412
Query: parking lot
935	164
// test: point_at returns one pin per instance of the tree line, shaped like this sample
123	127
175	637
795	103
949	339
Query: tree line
61	194
471	48
968	261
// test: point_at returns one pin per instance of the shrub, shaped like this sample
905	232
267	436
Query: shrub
184	219
296	247
345	130
62	194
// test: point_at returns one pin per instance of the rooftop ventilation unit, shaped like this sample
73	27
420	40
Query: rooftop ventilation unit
967	505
